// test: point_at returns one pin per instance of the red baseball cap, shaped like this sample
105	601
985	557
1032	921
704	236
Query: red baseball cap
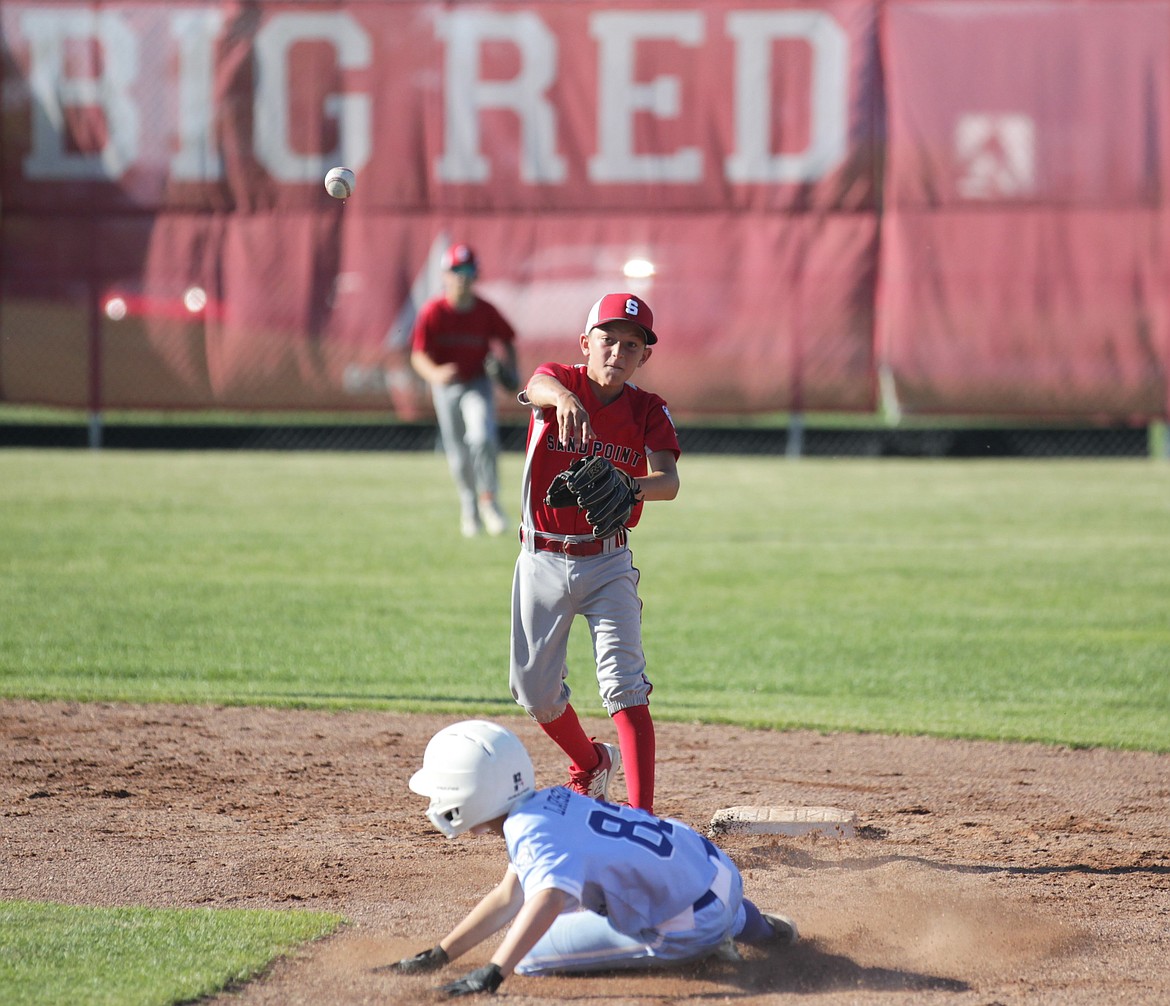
623	307
460	256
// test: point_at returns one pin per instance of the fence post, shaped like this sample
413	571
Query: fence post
95	368
1159	439
795	445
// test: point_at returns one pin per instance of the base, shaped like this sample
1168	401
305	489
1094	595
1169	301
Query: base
829	821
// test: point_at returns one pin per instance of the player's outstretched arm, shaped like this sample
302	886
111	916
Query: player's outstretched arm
531	924
545	392
495	910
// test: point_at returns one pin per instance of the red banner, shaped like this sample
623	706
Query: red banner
1023	240
965	198
545	106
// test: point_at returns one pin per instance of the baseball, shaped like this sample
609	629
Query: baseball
339	183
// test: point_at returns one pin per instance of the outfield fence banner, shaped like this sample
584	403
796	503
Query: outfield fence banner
1023	254
931	206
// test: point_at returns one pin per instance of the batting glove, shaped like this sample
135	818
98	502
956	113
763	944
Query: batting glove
486	979
428	960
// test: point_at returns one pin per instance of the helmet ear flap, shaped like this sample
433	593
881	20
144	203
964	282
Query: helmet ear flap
473	771
446	820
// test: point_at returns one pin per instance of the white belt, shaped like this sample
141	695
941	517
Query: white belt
573	545
720	887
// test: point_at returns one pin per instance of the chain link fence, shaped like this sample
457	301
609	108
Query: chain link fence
1022	442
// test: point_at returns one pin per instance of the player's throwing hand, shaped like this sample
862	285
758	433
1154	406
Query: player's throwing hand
573	425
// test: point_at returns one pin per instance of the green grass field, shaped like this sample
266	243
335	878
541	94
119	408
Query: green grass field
1011	600
59	954
996	599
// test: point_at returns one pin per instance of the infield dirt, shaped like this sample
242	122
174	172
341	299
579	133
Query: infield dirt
981	873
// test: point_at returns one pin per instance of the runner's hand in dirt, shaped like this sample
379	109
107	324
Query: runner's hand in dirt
427	960
485	979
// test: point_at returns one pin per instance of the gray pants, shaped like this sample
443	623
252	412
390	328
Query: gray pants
467	423
579	942
549	589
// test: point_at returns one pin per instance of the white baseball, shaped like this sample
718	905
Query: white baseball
339	183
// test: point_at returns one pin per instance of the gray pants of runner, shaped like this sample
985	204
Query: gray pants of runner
549	589
579	942
466	413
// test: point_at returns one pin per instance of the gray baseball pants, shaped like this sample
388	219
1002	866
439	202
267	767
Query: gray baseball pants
466	413
549	589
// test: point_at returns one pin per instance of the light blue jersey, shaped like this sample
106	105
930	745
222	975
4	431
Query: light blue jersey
652	887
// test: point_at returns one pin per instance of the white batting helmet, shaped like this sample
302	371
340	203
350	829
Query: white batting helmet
473	771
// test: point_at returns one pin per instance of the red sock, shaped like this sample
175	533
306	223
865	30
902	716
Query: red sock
568	734
635	730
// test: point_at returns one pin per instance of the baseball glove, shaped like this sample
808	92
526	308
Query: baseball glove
500	372
605	493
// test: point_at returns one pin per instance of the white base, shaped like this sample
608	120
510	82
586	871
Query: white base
830	821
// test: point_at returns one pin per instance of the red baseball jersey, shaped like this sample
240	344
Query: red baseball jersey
460	337
629	429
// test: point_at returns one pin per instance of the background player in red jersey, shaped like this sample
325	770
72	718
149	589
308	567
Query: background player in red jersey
563	570
451	342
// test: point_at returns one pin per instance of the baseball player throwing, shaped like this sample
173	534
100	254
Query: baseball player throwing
653	890
598	446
